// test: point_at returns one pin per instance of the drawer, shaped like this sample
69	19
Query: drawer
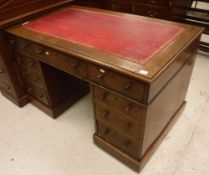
117	82
117	121
118	140
37	93
21	44
6	86
32	77
152	11
67	63
28	62
118	5
119	103
157	2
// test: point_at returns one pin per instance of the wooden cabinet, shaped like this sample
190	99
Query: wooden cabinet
153	8
51	90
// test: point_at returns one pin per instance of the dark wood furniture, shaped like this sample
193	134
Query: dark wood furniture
135	104
23	79
152	8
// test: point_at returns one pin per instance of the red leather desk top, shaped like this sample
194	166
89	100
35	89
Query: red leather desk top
131	39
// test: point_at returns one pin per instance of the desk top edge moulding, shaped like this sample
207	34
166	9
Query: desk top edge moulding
141	58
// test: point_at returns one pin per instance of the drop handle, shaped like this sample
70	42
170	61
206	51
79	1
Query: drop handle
127	86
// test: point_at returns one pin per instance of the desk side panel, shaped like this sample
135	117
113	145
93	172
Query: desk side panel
165	105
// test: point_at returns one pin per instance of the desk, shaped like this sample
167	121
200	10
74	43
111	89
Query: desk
138	68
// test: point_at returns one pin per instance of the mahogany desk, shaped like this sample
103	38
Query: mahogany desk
138	68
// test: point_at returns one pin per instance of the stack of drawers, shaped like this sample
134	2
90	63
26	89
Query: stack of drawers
5	83
119	121
50	89
33	78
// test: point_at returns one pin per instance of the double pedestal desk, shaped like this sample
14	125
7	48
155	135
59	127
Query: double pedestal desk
138	68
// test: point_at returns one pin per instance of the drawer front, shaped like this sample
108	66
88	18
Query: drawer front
37	93
21	44
152	11
120	141
117	121
28	62
120	104
157	2
124	85
6	86
32	77
68	63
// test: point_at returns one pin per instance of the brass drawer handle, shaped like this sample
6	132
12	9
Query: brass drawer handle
127	86
128	108
103	96
105	114
127	143
107	131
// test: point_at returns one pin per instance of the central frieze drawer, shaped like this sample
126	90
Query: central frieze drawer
67	63
117	82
